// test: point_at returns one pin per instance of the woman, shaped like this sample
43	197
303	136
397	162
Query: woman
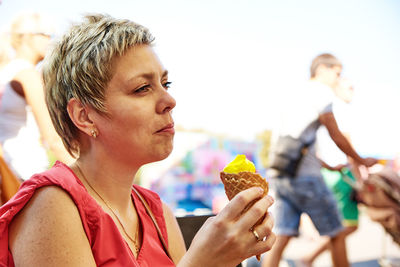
26	131
107	94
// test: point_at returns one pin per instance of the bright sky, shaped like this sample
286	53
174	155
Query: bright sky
233	62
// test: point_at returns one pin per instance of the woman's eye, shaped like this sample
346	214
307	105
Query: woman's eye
167	85
142	89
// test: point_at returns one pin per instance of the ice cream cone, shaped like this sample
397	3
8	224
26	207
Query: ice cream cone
237	182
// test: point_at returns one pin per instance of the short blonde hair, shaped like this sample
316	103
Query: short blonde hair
325	59
80	66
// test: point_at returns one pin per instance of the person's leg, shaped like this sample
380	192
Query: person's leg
273	257
338	250
323	244
287	220
349	211
347	208
349	230
323	211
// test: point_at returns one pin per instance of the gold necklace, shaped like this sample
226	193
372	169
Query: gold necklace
134	241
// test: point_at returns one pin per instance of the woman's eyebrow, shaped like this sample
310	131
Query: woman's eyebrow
149	75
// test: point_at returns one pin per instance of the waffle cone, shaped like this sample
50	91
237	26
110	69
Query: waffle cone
237	182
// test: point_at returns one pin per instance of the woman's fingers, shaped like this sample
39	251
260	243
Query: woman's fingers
255	212
229	232
264	245
235	224
236	206
264	229
262	236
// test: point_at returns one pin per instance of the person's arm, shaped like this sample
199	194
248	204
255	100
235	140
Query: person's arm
176	243
332	168
49	232
226	239
328	120
32	86
354	166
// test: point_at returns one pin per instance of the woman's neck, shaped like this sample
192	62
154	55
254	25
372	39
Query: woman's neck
108	179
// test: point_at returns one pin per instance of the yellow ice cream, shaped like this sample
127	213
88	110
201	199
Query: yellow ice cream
240	164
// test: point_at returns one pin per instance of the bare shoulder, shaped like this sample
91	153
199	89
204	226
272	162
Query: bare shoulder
28	75
167	211
27	72
176	243
49	232
171	222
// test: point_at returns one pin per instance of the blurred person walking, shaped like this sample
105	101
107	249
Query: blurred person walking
26	131
296	171
339	172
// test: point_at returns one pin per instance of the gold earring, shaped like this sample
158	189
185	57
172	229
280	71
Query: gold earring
93	133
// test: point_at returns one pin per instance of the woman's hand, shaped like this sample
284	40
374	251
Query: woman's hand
226	239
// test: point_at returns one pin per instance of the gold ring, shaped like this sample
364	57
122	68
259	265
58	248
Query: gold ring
256	235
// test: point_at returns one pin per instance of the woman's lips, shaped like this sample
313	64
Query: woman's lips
167	129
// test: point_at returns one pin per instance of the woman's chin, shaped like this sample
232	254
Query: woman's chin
161	155
165	154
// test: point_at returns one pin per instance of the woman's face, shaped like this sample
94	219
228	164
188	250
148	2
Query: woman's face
139	128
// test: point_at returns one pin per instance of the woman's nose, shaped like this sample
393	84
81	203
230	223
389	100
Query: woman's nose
166	103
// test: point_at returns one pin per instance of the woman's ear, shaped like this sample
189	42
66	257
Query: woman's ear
79	115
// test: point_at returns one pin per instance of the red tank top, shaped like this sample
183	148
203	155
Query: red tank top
108	246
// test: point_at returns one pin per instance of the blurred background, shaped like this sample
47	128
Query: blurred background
233	63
